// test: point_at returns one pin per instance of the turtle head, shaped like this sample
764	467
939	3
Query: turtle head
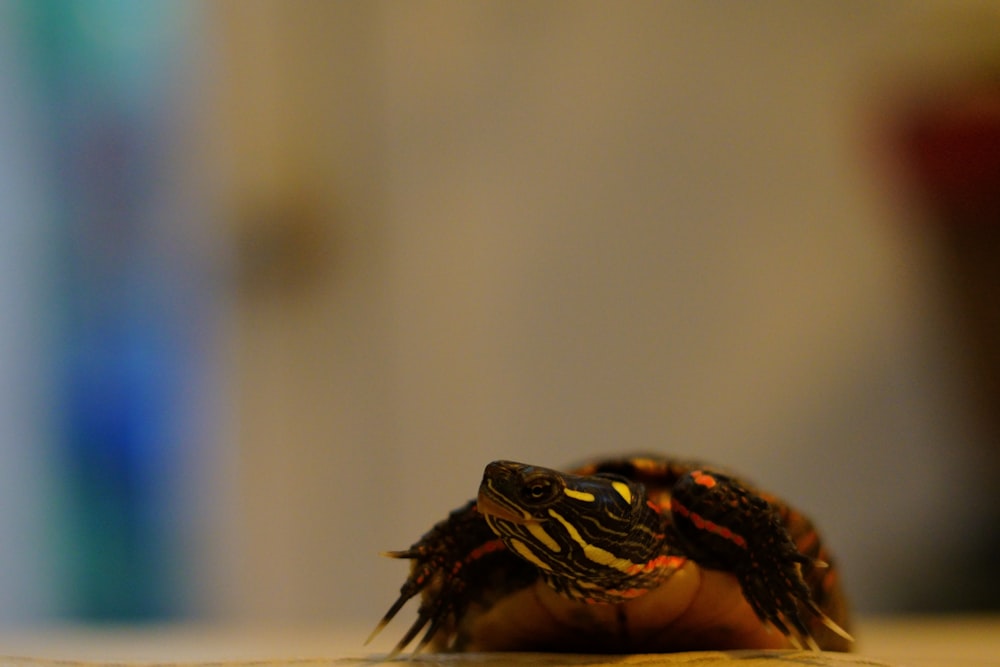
592	538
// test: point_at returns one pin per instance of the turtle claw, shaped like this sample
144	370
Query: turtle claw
410	635
776	601
416	582
432	615
440	563
830	624
389	615
728	526
779	604
436	620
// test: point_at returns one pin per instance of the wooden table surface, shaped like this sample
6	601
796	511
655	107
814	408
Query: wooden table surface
961	641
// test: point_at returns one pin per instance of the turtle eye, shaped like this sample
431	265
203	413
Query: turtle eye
537	490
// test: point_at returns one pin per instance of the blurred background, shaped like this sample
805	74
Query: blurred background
278	278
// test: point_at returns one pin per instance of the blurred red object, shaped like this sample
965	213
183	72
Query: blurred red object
951	149
949	153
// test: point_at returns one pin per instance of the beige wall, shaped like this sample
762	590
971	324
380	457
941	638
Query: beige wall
542	231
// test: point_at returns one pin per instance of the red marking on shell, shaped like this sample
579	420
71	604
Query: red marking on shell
702	523
806	541
703	479
646	465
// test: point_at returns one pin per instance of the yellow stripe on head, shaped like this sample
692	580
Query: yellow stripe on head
593	552
538	532
579	495
525	552
623	491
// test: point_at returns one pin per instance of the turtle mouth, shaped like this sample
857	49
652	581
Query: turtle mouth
487	506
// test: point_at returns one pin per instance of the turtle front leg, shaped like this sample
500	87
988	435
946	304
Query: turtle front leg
448	568
725	525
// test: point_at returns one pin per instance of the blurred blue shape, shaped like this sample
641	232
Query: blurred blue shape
104	76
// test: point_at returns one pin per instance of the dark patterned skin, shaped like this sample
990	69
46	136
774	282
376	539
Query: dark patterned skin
636	554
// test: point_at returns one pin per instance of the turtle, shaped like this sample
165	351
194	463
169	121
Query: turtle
625	554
